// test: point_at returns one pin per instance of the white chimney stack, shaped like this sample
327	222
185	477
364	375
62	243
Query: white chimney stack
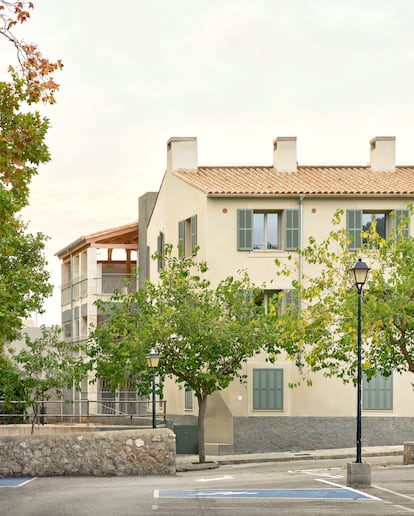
284	154
383	154
182	153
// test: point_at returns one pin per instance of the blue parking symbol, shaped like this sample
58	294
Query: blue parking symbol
15	482
316	494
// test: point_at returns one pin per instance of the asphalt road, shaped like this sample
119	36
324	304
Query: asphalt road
294	488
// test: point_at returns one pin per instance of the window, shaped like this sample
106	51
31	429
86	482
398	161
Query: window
265	231
273	300
377	393
259	230
187	236
188	399
358	221
267	389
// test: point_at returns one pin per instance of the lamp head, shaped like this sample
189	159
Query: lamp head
153	359
360	273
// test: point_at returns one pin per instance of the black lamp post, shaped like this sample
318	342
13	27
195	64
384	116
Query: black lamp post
359	276
153	359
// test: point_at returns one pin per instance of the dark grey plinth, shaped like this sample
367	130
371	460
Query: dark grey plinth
358	474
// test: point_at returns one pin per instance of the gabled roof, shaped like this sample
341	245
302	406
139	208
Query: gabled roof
120	237
307	180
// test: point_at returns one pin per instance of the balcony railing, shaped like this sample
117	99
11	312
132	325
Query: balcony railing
105	284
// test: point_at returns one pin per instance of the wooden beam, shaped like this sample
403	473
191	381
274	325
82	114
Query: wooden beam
132	247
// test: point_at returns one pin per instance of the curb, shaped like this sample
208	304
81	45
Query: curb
196	466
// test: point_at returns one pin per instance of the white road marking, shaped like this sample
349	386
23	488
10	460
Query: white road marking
225	477
394	493
347	488
156	493
317	473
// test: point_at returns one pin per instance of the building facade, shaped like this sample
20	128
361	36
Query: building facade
92	268
245	217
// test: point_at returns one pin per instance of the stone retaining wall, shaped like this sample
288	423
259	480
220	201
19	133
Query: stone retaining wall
113	453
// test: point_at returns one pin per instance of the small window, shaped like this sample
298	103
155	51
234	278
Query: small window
378	220
266	231
377	393
267	389
358	221
262	230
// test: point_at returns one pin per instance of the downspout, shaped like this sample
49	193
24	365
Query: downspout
300	271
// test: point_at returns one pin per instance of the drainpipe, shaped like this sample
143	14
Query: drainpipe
300	272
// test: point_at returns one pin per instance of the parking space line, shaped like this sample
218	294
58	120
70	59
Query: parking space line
394	492
348	488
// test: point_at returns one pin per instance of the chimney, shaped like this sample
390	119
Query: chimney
383	154
284	154
182	153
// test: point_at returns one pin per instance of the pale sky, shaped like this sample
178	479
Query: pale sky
234	73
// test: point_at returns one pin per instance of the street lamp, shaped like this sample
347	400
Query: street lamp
359	276
153	359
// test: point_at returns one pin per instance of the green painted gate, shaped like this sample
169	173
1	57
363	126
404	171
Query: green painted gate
186	438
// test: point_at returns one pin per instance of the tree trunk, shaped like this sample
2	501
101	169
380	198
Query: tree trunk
202	405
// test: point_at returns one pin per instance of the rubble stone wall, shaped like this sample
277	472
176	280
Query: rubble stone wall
113	453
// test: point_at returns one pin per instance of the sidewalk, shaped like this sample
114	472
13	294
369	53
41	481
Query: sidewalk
190	462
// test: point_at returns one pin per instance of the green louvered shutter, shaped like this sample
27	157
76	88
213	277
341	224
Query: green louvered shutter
160	250
267	389
292	230
354	228
181	238
377	393
193	232
400	217
244	230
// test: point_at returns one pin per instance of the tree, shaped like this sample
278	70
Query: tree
23	279
204	335
325	329
47	365
11	390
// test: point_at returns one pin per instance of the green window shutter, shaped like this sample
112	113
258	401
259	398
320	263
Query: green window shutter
377	394
400	217
267	389
193	232
181	238
188	399
292	230
244	230
354	228
160	250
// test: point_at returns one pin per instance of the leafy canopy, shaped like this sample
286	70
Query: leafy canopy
24	281
325	329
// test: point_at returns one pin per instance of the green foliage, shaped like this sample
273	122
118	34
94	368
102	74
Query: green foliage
24	280
24	283
48	365
325	330
204	335
11	390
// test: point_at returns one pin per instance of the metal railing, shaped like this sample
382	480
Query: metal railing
131	411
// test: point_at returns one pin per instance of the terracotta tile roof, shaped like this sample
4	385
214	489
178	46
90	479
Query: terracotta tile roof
308	180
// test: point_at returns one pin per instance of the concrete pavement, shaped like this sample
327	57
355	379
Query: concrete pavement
190	462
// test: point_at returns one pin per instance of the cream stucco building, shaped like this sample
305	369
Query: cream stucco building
243	217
